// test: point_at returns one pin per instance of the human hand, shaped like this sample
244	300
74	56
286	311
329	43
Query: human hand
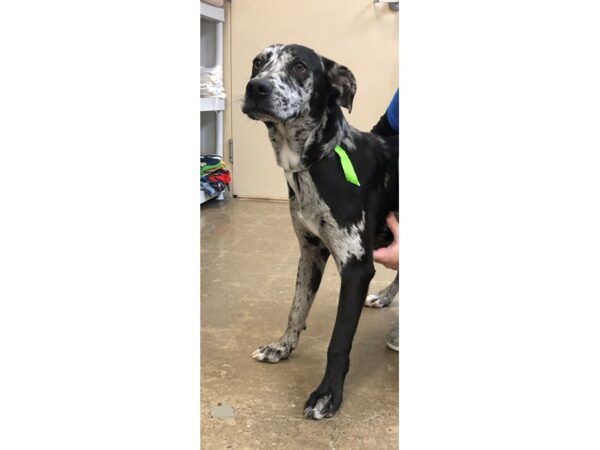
388	256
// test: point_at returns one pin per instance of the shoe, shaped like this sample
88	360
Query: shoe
391	340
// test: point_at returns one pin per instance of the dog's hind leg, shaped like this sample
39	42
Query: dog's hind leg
313	257
383	297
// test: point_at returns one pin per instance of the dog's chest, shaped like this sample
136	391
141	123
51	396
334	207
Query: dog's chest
306	205
311	213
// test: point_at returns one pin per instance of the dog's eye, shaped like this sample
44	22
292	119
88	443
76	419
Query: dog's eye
299	67
258	64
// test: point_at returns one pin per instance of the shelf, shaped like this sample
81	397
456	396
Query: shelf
213	46
212	104
211	12
204	197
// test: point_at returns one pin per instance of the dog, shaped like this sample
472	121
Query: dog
338	209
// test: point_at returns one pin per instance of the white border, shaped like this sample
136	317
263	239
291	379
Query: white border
499	220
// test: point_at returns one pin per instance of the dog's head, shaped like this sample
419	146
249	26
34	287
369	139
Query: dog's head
292	81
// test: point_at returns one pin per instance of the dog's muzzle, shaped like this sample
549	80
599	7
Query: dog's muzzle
258	89
257	100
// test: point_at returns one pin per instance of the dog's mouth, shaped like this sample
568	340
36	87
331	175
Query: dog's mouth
257	111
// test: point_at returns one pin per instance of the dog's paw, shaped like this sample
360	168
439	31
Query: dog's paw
322	404
378	300
273	352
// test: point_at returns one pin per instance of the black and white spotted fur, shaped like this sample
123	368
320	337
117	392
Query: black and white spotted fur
298	95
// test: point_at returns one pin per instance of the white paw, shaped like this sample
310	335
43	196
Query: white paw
323	407
320	410
377	301
273	352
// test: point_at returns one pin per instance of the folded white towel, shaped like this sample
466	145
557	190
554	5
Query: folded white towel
211	82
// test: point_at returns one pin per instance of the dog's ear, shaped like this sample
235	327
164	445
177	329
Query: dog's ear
342	80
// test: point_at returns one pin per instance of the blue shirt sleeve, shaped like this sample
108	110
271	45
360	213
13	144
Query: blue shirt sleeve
393	111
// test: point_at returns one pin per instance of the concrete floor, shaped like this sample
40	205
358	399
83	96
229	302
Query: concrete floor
249	259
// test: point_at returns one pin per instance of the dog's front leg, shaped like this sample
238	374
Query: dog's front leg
327	398
313	257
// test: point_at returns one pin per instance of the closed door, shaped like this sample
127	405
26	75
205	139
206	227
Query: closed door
356	33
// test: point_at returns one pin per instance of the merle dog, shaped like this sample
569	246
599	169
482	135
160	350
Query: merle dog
298	94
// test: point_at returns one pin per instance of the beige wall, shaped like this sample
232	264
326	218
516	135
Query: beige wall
357	33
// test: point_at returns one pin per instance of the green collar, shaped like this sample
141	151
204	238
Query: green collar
347	167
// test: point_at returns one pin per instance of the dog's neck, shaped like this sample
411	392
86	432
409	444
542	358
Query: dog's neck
300	142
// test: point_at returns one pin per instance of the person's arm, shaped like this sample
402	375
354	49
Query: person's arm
388	256
388	124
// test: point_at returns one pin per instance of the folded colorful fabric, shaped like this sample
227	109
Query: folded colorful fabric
214	175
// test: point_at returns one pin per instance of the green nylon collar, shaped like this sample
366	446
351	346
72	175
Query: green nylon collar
349	172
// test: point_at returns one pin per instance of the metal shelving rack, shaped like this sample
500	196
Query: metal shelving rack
211	13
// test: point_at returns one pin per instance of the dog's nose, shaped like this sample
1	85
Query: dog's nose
258	88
